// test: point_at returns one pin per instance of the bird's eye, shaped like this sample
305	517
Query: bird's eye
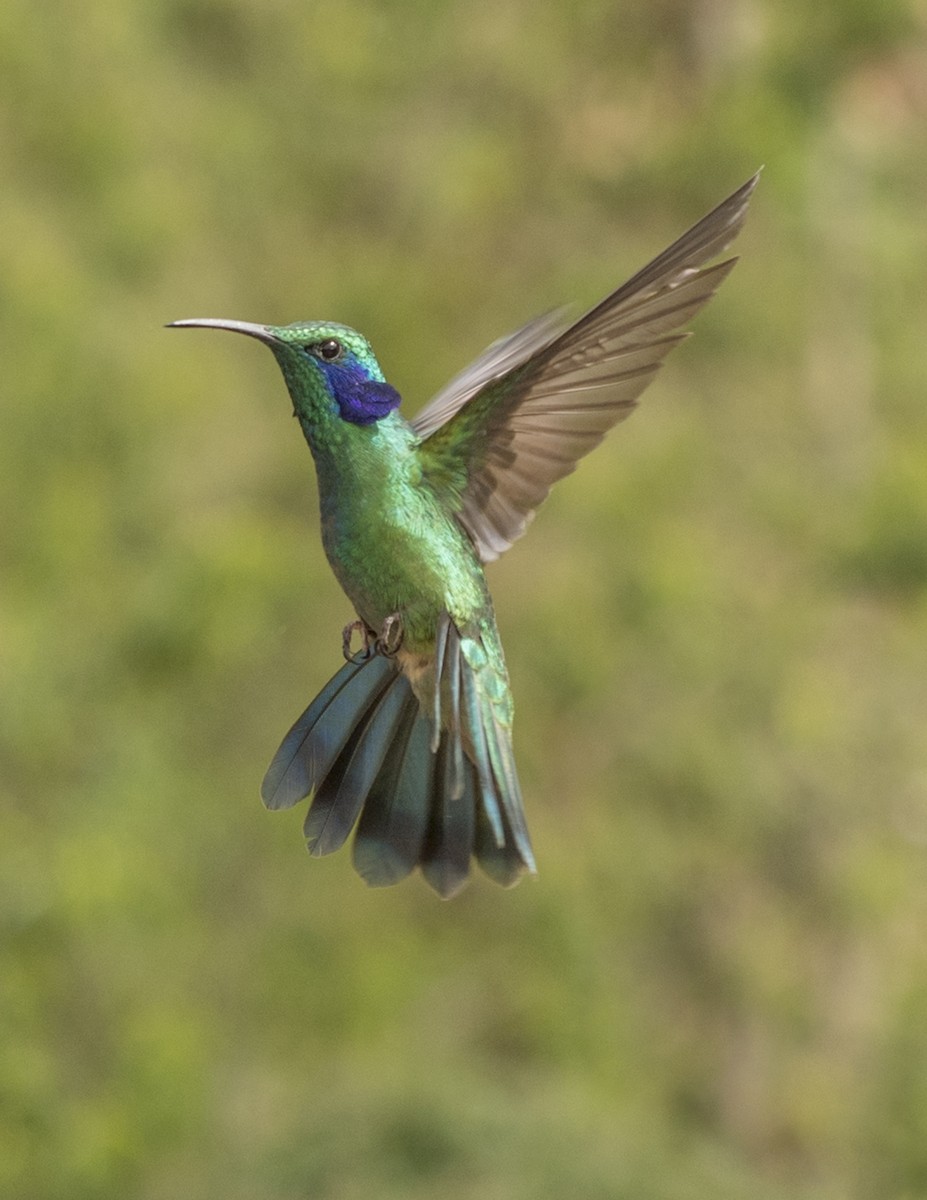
329	351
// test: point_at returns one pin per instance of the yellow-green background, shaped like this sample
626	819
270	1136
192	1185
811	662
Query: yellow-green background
716	630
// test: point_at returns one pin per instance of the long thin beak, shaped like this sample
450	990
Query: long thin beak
261	332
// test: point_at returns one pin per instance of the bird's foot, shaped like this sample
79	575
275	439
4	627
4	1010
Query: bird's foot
390	638
369	641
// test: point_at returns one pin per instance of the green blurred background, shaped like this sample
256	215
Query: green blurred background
717	629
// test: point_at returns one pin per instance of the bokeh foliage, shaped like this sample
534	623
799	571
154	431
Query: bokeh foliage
717	630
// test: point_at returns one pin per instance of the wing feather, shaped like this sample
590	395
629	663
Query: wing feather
497	438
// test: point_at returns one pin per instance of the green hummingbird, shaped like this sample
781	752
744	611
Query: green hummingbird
411	740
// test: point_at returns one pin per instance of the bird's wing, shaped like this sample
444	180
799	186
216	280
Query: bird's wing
496	439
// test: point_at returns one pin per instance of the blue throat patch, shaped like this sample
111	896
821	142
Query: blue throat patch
360	399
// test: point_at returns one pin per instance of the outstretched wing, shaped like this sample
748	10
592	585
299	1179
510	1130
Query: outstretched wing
503	432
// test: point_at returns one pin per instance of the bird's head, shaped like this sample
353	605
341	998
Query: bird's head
330	370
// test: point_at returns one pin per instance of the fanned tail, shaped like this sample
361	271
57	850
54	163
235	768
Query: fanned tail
424	788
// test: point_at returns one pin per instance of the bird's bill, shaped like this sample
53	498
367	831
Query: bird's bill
261	332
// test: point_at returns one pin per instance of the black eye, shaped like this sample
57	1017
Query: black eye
329	351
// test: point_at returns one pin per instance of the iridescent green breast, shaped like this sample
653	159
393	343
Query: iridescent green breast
391	543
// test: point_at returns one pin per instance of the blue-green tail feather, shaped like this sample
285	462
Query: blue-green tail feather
392	828
340	796
368	755
449	843
309	749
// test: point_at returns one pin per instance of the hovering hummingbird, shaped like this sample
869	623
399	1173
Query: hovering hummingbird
412	739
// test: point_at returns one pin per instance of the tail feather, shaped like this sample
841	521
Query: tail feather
449	844
447	676
486	704
309	749
428	785
341	794
507	787
502	863
392	828
476	729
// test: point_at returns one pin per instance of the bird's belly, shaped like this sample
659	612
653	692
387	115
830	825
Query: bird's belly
417	574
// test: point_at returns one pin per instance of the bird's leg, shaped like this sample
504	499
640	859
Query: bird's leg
369	641
390	638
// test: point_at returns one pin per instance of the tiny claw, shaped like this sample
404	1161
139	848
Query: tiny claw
390	638
368	646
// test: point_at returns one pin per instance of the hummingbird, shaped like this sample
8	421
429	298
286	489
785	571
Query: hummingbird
411	740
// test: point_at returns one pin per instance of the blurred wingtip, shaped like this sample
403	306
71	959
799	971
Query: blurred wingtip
739	200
